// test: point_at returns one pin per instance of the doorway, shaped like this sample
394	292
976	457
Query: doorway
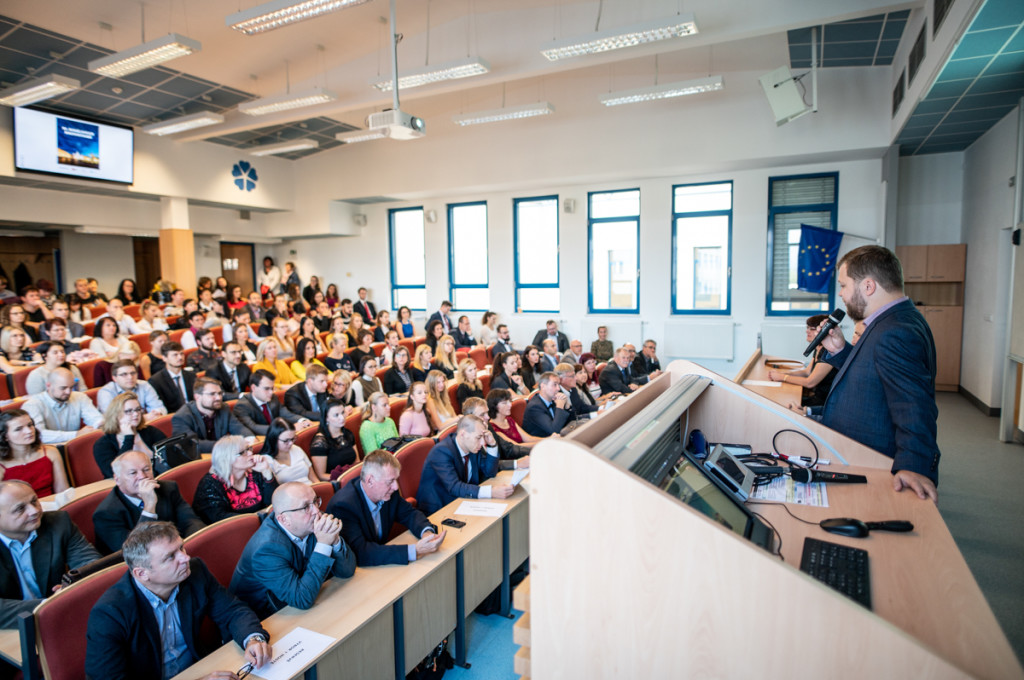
147	264
238	265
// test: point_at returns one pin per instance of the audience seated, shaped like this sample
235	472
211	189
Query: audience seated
24	456
499	410
488	332
363	306
267	359
309	397
511	456
152	362
550	330
602	348
377	425
441	316
414	420
54	356
14	350
207	417
288	462
238	482
469	384
618	376
439	406
231	371
646	363
333	449
405	327
398	378
579	406
206	355
463	335
174	384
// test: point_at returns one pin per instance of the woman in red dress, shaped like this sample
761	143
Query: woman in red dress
23	456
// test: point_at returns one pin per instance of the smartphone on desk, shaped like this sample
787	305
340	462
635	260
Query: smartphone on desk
454	523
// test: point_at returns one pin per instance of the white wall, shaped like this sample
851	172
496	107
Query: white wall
930	204
987	216
107	258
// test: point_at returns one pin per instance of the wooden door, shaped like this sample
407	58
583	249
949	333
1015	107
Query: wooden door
947	262
237	265
147	264
947	328
915	262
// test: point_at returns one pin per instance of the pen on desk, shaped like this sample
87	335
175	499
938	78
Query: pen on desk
802	461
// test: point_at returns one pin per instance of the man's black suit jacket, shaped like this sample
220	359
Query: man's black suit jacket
116	516
296	400
58	545
612	379
501	346
123	638
358	529
367	310
168	391
445	320
251	415
643	366
189	419
538	421
221	373
542	335
463	340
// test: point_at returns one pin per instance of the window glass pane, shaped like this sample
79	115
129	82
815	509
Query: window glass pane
468	229
537	240
407	244
538	300
703	197
615	204
466	299
803	191
613	265
702	269
413	298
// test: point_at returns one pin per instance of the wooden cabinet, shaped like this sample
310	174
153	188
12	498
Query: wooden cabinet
947	324
915	262
942	263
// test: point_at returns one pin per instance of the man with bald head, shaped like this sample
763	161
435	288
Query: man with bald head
59	412
291	554
139	498
35	549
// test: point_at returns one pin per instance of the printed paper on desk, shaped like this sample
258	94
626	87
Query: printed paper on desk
481	509
293	653
762	383
519	475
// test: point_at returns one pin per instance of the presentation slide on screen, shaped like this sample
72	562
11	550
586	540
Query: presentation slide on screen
46	142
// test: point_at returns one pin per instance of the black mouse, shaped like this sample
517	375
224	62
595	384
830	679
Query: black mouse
845	526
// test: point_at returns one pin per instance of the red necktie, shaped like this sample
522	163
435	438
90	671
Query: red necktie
266	413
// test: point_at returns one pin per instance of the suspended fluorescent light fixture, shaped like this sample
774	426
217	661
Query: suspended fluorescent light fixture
355	136
284	147
37	89
278	13
507	113
666	91
182	123
284	102
617	38
144	56
452	70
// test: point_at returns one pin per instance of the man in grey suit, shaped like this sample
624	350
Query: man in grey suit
207	417
35	549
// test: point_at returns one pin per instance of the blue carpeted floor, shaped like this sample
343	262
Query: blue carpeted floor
490	649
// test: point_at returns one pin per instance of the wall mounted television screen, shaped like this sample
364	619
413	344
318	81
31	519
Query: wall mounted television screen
57	144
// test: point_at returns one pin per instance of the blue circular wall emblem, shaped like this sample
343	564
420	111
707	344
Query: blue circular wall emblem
245	176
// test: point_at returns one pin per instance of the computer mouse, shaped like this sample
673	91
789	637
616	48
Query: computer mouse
845	526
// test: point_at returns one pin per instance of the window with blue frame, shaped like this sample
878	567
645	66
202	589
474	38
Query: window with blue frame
614	238
702	248
467	256
792	201
408	258
535	234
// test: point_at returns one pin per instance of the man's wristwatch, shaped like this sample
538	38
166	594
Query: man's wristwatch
258	637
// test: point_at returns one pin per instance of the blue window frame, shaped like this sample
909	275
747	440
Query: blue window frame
408	258
535	243
702	248
467	256
792	201
613	265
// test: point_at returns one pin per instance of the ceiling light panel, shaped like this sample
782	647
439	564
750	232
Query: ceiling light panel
452	70
666	91
508	113
175	125
146	55
618	38
356	136
37	89
285	102
278	13
284	147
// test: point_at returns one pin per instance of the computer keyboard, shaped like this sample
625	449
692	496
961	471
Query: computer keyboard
839	567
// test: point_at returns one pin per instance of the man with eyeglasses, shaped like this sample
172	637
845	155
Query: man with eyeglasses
369	508
138	498
291	554
147	624
126	379
646	363
207	417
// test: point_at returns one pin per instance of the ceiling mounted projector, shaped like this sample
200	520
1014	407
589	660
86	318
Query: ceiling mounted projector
400	125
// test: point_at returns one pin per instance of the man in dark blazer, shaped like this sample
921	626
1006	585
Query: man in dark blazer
578	406
548	355
126	635
368	509
309	397
291	554
550	330
364	307
511	456
547	412
231	371
884	393
258	408
442	316
504	343
42	543
139	498
174	377
457	465
646	363
618	376
463	335
207	417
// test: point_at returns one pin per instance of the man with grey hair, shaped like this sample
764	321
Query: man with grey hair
369	508
547	412
147	624
292	554
138	498
578	408
60	411
35	549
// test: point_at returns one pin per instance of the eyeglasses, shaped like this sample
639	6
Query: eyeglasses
245	670
132	411
315	503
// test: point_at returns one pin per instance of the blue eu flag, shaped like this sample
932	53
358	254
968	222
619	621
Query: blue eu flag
819	249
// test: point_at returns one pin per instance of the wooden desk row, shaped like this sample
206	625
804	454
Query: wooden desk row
757	368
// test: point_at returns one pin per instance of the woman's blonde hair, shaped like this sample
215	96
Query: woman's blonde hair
419	353
460	375
223	456
449	360
370	401
112	416
439	396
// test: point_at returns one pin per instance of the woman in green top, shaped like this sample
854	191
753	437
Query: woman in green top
377	425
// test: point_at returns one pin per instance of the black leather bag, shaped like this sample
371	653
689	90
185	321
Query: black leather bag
175	451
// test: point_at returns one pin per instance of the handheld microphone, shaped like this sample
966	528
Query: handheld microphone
804	475
833	320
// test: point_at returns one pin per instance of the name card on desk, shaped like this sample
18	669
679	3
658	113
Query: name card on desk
292	653
481	509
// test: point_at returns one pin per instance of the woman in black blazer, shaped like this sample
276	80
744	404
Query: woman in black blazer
124	429
399	377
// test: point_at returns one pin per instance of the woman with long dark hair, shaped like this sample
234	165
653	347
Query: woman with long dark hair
334	446
287	461
128	292
23	456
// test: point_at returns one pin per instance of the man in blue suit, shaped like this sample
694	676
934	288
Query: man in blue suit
456	467
884	393
147	624
547	412
368	509
442	316
291	554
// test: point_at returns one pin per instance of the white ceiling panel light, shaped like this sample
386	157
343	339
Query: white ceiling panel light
284	147
278	13
285	102
452	70
356	136
182	123
665	91
146	55
618	38
37	89
505	113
